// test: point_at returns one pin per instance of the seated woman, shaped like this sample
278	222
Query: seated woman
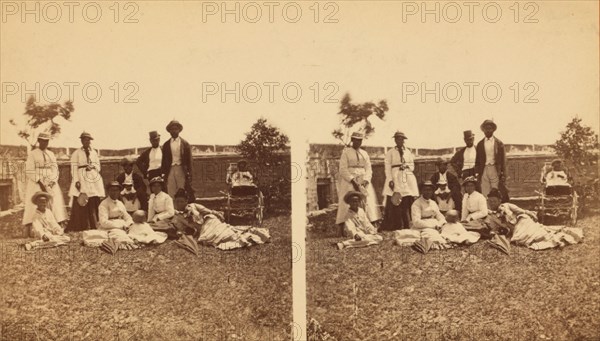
44	225
209	228
160	206
112	213
474	206
522	228
427	220
357	224
242	181
443	197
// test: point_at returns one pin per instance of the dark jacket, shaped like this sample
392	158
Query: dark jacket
499	158
139	186
458	160
186	159
453	186
143	162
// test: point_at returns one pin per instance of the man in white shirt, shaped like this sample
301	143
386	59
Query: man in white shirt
463	160
150	160
490	160
177	161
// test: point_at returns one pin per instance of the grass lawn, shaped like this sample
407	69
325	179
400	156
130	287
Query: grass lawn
388	292
156	293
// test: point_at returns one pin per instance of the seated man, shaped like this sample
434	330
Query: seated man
242	181
112	214
44	225
357	224
522	228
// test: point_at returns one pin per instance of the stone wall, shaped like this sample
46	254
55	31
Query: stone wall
524	167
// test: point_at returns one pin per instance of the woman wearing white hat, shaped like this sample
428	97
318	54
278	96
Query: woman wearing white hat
87	186
400	188
355	175
42	174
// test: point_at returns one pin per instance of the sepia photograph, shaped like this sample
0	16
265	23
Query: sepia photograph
299	170
452	193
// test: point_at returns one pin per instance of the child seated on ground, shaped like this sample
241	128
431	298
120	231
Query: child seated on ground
455	232
129	196
357	225
141	231
44	226
443	198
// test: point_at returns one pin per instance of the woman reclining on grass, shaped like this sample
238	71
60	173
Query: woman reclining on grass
209	228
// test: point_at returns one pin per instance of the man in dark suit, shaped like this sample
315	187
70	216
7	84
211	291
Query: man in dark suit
451	180
490	161
150	160
177	161
138	182
463	161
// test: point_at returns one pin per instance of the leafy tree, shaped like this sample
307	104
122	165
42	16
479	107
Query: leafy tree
261	146
42	118
577	143
352	114
262	143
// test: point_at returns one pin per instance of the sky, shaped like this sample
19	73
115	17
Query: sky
182	60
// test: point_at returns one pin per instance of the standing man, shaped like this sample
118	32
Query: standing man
150	160
177	162
463	161
450	179
42	175
490	161
136	179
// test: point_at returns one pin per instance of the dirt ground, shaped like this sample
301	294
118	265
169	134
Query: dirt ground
156	293
388	292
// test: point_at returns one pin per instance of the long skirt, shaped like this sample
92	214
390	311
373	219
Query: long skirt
397	217
84	217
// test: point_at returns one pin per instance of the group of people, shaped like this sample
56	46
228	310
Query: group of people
124	210
448	208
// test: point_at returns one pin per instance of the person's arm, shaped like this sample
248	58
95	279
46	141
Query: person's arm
454	163
409	159
518	211
351	228
465	211
151	211
75	167
37	229
387	165
126	217
169	211
344	171
105	223
502	156
438	215
482	209
369	170
418	223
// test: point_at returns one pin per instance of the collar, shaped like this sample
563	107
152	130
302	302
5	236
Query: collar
489	138
178	138
40	212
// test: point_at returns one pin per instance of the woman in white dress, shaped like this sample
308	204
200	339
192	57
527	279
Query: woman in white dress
42	174
355	175
87	187
400	188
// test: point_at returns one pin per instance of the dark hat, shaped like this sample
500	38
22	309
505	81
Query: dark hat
40	194
126	161
157	179
86	134
494	192
441	160
351	194
242	162
467	134
113	184
400	134
154	135
174	123
44	136
556	161
488	122
469	179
